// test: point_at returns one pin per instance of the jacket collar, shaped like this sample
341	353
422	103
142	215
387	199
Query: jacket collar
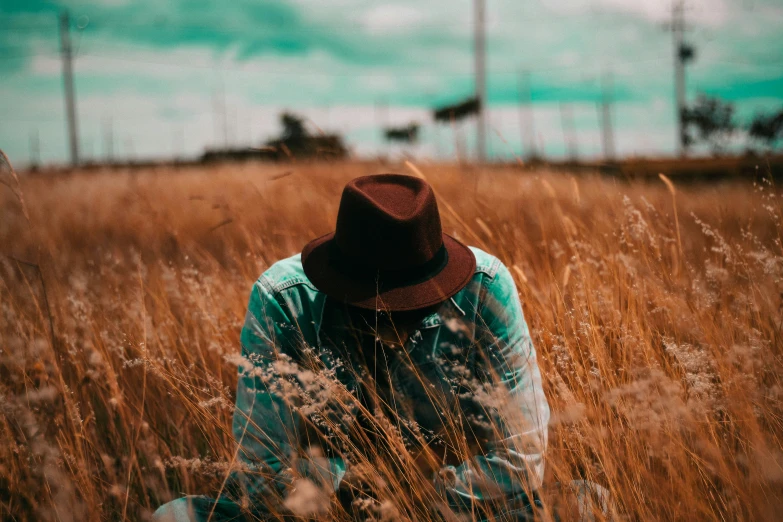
431	321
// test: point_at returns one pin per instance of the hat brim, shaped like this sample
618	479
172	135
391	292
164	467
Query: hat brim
323	270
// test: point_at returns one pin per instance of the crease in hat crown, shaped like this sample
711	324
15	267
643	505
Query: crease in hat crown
400	209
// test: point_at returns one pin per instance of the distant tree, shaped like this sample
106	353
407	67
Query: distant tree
293	126
406	134
294	142
767	129
712	119
297	142
457	111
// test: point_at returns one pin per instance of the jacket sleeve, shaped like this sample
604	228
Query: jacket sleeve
266	424
510	396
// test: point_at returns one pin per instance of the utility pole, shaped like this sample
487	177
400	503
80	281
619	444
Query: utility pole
219	116
35	149
605	116
108	139
232	134
327	116
177	141
681	54
70	101
527	133
86	150
569	133
436	141
224	113
479	49
382	122
130	152
215	119
382	115
490	128
430	97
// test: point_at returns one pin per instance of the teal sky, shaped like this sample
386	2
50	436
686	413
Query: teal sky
175	77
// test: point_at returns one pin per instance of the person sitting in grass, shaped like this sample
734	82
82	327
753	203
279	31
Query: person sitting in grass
387	373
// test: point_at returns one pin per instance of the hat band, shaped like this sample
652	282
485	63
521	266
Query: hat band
389	278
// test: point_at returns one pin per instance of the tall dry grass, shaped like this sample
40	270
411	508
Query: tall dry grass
122	295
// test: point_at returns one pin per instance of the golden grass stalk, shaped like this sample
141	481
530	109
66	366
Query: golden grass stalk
673	192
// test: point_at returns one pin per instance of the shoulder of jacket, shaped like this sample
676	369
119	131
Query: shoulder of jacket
284	274
486	263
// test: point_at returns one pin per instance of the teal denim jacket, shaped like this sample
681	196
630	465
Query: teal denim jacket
480	326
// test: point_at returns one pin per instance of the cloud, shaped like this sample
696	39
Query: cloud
104	3
707	12
391	18
45	65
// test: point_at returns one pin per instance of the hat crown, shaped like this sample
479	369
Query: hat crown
388	222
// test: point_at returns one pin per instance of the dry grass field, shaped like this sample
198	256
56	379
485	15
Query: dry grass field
655	310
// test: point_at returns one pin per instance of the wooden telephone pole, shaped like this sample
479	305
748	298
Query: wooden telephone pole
527	133
605	115
682	54
479	49
108	139
679	72
570	148
70	97
35	149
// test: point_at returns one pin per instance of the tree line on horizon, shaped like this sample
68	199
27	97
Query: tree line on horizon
711	121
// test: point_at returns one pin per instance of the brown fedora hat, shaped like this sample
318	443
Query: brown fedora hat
388	251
